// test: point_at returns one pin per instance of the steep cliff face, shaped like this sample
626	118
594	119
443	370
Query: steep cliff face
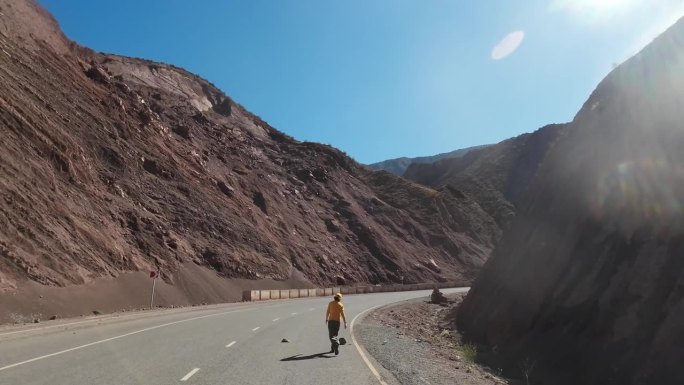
588	282
112	164
495	176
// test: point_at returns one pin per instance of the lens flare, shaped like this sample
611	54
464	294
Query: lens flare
641	192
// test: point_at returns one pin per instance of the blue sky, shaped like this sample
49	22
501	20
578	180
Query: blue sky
385	78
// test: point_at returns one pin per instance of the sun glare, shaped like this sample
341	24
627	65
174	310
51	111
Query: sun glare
603	4
593	6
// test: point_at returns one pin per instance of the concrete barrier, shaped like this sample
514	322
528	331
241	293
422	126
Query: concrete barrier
250	295
260	295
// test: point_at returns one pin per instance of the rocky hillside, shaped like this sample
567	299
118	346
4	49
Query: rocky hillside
398	166
495	176
587	285
112	165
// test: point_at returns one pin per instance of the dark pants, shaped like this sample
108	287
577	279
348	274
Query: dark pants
333	329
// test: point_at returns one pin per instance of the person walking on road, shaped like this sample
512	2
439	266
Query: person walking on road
333	315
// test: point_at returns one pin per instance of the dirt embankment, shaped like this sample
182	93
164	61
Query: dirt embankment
113	165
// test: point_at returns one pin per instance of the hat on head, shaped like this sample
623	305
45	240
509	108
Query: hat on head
338	295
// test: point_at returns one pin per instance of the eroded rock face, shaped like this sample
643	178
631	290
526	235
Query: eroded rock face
588	282
112	164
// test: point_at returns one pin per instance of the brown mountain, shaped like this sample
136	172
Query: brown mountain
113	165
587	285
399	166
495	176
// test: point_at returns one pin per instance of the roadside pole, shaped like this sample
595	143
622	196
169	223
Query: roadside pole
153	275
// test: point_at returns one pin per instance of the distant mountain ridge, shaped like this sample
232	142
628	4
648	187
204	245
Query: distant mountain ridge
398	166
495	176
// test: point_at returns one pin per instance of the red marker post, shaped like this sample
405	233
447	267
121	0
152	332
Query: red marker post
153	275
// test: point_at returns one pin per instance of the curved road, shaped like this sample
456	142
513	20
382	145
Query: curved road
220	344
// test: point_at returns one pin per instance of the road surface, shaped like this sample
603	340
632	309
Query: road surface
221	344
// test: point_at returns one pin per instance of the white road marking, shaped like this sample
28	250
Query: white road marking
230	344
294	313
121	317
192	373
275	319
118	337
256	328
47	327
361	352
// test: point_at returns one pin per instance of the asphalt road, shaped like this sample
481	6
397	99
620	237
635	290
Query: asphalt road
222	344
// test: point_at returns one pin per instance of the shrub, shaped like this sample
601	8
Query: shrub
469	352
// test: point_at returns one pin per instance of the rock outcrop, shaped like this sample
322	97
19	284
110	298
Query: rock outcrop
588	282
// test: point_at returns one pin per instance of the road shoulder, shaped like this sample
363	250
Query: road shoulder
414	343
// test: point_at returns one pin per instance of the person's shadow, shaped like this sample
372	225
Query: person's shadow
299	357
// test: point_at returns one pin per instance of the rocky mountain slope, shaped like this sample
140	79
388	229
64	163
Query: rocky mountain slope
398	166
587	285
112	165
495	176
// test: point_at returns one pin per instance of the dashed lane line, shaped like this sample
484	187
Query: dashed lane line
275	319
192	373
256	328
231	344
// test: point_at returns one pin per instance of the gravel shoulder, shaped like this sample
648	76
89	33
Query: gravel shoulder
415	342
